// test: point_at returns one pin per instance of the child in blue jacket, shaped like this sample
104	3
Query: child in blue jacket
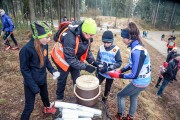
33	63
7	30
109	58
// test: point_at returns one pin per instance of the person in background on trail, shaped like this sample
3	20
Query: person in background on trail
76	43
173	32
64	19
170	74
165	64
162	37
140	66
33	63
162	70
171	54
7	30
171	43
109	58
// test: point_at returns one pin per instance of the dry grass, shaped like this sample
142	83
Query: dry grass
149	106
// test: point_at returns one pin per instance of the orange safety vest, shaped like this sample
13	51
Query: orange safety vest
57	53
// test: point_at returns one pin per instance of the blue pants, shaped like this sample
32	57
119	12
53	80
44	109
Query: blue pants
30	99
164	84
61	84
133	92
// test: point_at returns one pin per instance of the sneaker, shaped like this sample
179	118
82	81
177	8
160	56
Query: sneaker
119	116
50	110
129	117
157	86
7	48
15	48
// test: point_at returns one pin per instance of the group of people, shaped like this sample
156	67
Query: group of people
168	71
73	48
76	43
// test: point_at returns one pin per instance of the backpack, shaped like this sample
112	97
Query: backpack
61	29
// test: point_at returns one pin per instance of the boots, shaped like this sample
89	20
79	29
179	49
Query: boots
119	116
15	48
7	48
129	117
50	110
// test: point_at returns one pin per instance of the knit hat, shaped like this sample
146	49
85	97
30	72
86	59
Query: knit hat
174	48
89	26
125	33
2	12
40	30
107	36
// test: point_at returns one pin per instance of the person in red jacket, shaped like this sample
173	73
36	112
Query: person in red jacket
171	43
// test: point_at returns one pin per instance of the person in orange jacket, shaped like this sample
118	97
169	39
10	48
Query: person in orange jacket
171	43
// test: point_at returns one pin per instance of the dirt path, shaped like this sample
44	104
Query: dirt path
154	39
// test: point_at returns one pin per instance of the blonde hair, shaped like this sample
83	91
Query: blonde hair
38	48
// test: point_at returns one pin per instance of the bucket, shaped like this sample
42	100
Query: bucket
87	90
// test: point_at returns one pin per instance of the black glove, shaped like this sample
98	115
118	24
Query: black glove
103	70
90	68
95	63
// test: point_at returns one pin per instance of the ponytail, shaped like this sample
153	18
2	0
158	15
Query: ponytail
39	52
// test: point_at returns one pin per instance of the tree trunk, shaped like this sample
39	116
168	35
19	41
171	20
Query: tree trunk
77	9
58	11
156	13
51	13
172	16
32	14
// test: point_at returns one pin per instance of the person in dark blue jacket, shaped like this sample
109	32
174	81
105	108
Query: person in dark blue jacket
7	30
109	58
140	66
33	63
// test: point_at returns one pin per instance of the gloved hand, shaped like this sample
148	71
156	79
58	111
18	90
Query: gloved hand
2	33
56	75
114	74
90	69
96	63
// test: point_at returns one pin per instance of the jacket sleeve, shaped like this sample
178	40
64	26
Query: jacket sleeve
90	58
10	23
2	25
25	57
170	70
98	58
118	60
69	52
49	65
138	58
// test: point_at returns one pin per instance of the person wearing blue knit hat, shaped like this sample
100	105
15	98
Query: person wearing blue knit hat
109	58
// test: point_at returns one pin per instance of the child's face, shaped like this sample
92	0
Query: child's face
45	40
126	41
107	44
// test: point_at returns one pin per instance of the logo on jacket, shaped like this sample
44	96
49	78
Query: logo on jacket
114	50
45	52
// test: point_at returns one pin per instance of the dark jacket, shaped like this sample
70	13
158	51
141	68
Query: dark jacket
7	23
172	70
69	43
30	66
170	56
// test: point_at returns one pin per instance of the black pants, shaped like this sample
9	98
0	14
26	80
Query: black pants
7	33
158	82
30	99
62	80
169	50
107	84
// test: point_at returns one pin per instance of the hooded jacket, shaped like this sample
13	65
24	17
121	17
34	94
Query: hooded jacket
7	23
68	41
